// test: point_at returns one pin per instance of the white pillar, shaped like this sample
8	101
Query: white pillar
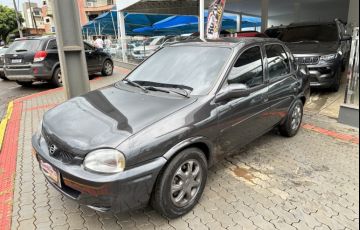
238	23
264	14
202	19
122	32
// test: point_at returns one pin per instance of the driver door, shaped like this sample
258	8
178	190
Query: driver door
240	120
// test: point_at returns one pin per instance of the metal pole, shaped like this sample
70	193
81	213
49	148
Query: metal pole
121	17
202	19
18	19
71	47
238	23
113	22
264	14
33	17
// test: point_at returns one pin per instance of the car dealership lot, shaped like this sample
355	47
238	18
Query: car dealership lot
307	182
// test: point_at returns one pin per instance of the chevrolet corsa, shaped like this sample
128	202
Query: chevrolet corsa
151	137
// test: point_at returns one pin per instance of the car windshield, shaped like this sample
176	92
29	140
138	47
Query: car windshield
193	68
316	33
24	45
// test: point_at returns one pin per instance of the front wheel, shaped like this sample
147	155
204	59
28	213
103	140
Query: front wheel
181	184
4	77
108	68
293	121
337	81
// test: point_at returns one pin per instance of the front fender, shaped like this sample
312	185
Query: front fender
193	141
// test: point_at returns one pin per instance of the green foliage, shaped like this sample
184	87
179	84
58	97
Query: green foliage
7	21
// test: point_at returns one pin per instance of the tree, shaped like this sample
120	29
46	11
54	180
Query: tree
8	22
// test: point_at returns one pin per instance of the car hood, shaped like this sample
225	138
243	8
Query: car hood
105	118
313	48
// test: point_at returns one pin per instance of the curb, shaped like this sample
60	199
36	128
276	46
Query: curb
5	121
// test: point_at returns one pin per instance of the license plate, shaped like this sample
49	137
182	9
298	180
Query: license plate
16	61
52	174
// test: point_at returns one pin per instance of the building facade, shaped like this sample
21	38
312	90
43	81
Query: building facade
90	9
32	16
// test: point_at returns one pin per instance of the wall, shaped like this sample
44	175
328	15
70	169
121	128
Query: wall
353	16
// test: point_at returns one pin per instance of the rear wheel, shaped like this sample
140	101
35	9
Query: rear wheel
57	79
293	121
108	68
181	184
24	83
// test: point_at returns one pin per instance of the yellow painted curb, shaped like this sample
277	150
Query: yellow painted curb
5	121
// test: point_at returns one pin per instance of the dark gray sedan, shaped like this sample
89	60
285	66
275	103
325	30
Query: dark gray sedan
152	137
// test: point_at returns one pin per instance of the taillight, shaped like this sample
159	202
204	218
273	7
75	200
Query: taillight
40	56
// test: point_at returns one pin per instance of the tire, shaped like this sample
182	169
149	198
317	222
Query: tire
164	200
24	83
4	77
56	79
293	121
108	68
337	83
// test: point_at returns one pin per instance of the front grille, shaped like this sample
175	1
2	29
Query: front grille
56	152
308	60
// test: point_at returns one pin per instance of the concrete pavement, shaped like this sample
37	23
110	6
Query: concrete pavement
306	182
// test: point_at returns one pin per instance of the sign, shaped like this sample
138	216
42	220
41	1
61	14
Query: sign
216	12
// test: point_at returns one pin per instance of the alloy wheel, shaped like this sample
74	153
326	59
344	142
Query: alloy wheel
186	183
108	68
296	117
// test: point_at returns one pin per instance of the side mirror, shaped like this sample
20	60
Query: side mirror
303	69
233	91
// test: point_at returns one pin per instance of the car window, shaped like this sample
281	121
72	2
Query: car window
313	33
195	68
278	61
87	46
52	45
248	69
24	45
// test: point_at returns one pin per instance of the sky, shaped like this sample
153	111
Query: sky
11	4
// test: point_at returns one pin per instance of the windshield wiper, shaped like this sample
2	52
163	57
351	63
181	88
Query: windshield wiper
153	88
136	85
315	41
23	50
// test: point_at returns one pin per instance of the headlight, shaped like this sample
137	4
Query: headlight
105	161
329	57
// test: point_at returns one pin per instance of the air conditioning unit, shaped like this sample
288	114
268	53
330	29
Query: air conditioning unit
90	4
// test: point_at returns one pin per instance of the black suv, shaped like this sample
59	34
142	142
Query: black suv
36	59
324	47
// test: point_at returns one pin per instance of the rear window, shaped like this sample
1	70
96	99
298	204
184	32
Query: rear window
24	46
315	33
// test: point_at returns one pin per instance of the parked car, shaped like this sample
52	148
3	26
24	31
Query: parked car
148	47
324	47
2	58
254	34
153	136
275	31
36	59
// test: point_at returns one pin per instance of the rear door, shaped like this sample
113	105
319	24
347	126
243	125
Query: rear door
92	58
283	83
52	53
22	52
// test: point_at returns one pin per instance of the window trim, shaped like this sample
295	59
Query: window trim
267	64
47	45
237	56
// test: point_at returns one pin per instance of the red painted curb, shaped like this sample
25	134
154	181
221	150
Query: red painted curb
333	134
8	166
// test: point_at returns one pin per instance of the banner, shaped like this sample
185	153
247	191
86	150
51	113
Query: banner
216	12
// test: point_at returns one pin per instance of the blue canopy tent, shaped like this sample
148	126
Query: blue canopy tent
148	24
189	24
106	24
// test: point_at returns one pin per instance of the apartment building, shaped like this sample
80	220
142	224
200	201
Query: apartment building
90	9
32	16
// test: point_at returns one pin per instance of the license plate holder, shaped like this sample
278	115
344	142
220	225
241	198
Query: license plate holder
16	61
52	174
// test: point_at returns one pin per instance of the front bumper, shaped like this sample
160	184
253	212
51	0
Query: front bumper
121	192
323	76
27	73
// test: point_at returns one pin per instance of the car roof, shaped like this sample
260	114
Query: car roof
226	42
35	38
